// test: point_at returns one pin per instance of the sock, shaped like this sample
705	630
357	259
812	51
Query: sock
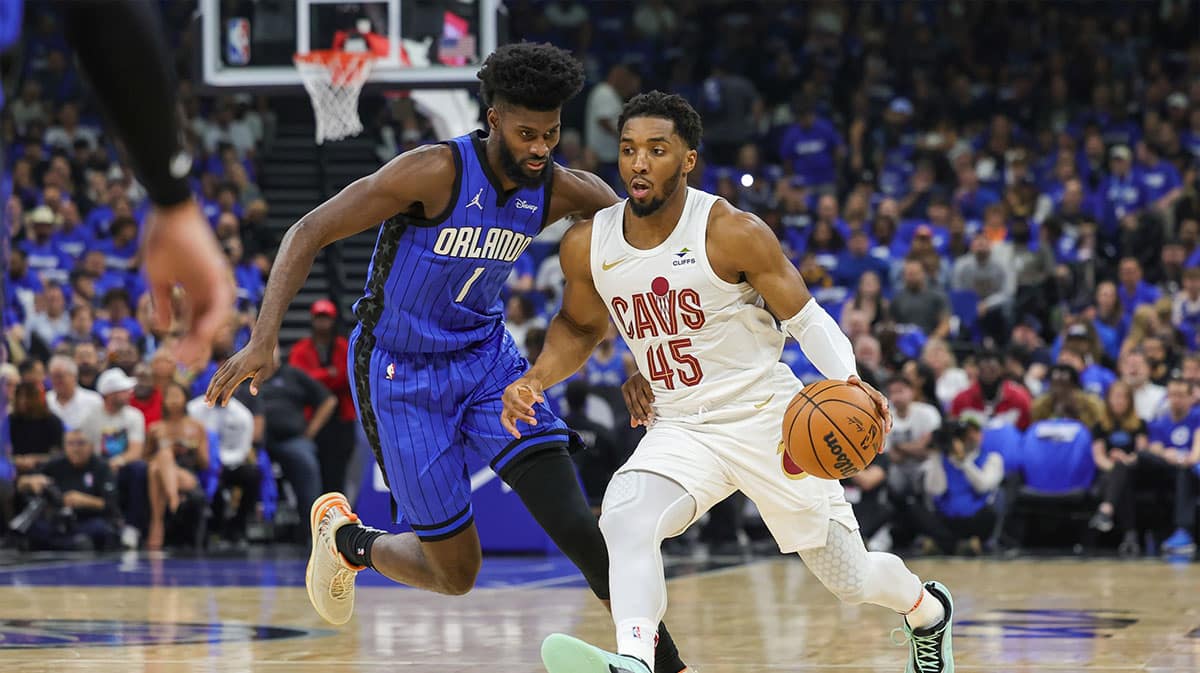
928	611
354	541
636	638
666	653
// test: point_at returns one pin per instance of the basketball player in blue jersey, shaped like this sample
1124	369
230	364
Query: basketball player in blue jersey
430	357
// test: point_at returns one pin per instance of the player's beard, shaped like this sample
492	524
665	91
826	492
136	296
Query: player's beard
515	170
669	187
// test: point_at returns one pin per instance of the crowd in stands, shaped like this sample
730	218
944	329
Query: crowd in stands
110	443
999	202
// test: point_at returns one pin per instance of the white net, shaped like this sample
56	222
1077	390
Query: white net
334	80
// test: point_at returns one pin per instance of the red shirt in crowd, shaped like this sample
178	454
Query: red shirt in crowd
306	358
1012	401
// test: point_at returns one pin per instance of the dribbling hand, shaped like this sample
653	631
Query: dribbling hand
518	399
881	405
639	398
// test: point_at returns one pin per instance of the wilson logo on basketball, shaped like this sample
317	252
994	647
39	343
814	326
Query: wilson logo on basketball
841	463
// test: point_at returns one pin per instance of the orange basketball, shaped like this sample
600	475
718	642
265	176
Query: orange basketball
831	430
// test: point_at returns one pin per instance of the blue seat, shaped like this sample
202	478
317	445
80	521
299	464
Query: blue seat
965	305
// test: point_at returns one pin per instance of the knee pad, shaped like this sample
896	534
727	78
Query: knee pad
645	505
841	565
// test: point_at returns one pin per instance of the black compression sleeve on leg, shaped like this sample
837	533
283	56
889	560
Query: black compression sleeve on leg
548	485
122	50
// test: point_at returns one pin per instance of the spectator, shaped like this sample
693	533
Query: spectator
66	399
857	262
521	316
51	323
322	356
731	108
963	479
1133	291
234	427
1121	193
1066	399
1116	451
82	483
177	453
35	433
117	430
949	379
1147	396
992	396
603	107
247	276
918	304
285	396
993	285
120	251
1093	378
907	446
42	254
87	363
147	397
811	148
1172	456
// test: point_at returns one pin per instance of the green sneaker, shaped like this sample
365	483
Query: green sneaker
563	654
930	650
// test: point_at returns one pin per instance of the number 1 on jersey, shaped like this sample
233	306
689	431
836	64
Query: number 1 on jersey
467	285
661	370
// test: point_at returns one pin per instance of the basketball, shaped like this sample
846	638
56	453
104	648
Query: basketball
831	430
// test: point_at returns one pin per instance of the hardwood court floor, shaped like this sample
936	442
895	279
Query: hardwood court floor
167	616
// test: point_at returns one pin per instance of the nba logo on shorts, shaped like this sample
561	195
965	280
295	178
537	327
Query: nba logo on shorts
237	49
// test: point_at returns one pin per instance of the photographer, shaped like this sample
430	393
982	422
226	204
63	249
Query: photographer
71	502
962	480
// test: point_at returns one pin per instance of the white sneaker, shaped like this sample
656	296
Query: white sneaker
330	577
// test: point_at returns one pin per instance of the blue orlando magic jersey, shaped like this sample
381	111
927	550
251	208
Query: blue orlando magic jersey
434	285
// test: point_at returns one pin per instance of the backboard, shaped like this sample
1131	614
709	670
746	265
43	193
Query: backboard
419	43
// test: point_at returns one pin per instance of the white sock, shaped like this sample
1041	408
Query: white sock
636	638
928	612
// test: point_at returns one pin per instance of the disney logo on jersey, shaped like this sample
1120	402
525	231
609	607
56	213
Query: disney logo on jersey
504	245
522	204
684	257
662	311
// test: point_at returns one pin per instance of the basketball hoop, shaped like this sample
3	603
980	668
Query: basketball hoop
334	80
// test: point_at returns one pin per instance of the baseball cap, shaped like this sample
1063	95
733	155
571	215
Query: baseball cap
1122	152
42	214
1177	99
324	307
114	381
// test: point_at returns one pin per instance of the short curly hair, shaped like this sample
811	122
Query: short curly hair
666	106
535	76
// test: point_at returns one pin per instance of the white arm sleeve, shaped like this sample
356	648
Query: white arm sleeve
823	342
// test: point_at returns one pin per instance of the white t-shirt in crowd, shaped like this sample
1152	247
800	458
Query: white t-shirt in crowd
234	425
111	434
1148	401
921	419
603	102
81	405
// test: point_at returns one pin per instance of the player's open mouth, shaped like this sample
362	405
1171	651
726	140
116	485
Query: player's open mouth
535	165
639	188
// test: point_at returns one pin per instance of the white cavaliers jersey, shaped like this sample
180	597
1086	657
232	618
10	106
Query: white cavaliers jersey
699	340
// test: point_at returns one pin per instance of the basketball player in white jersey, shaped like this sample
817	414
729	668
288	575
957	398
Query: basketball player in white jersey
703	295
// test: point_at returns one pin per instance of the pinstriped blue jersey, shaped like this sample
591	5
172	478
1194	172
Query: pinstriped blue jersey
434	285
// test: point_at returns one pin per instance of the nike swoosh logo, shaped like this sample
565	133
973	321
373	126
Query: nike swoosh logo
765	402
608	265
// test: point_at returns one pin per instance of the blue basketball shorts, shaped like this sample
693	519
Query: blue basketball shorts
426	414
